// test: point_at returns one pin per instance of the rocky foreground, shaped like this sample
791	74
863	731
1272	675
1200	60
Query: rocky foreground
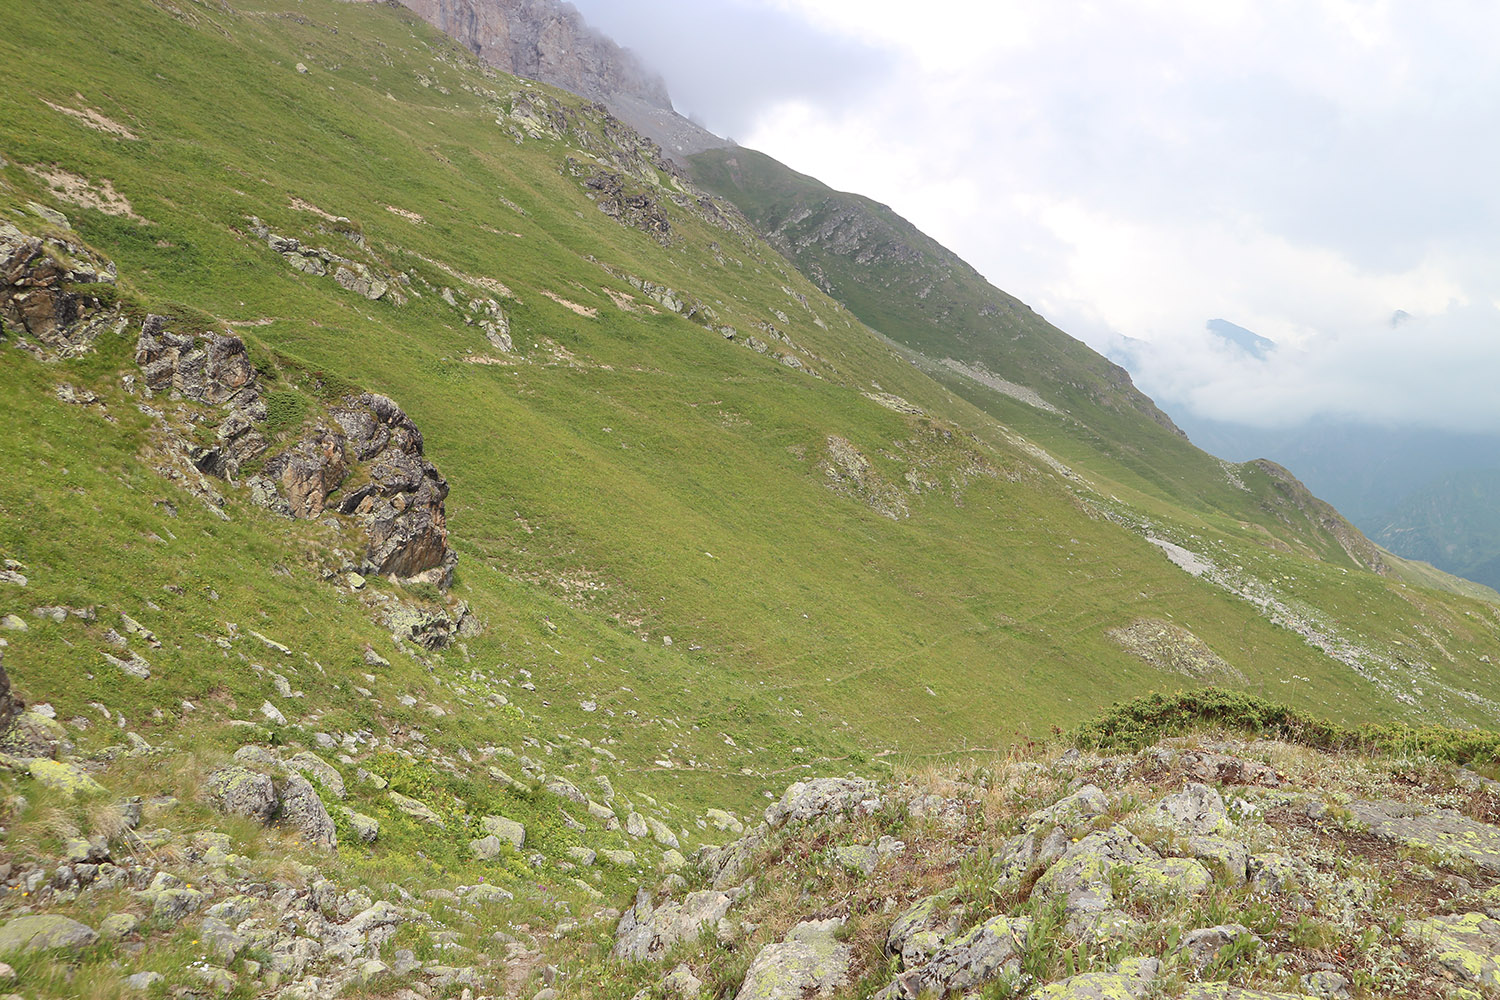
1226	869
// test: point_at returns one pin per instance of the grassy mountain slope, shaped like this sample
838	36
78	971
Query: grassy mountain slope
1450	523
684	439
659	477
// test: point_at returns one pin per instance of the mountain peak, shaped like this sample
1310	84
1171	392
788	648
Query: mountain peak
545	40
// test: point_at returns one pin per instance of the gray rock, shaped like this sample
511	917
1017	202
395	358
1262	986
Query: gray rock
44	932
1445	831
366	828
1328	985
324	773
505	829
622	859
1204	944
143	981
681	983
565	789
415	809
971	960
1082	876
858	858
645	932
583	855
821	798
810	962
487	848
1132	979
724	822
119	925
170	905
304	812
1197	810
635	825
661	833
921	931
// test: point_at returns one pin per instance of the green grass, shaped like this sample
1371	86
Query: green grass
670	483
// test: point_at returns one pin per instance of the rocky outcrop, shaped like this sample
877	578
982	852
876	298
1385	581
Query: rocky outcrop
45	293
401	506
213	369
638	211
400	502
544	40
647	932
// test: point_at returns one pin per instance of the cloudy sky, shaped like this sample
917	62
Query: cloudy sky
1324	173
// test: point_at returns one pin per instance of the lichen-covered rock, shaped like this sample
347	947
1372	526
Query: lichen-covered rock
971	960
69	779
1082	876
416	810
44	932
810	962
821	798
1047	834
645	932
1197	810
1204	944
1130	980
1467	945
240	791
366	828
1231	857
1169	877
922	929
1445	831
34	735
319	770
304	812
505	829
487	848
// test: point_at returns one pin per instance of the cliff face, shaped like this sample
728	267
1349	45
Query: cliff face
544	40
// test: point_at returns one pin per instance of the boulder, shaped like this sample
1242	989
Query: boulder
1195	811
922	929
67	778
310	470
1204	944
1083	875
304	812
971	960
821	798
810	962
240	791
1467	945
416	810
1445	831
10	705
320	770
401	506
43	291
366	828
44	932
1130	980
487	848
646	932
33	735
505	829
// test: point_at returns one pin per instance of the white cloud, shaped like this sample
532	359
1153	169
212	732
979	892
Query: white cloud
1134	168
